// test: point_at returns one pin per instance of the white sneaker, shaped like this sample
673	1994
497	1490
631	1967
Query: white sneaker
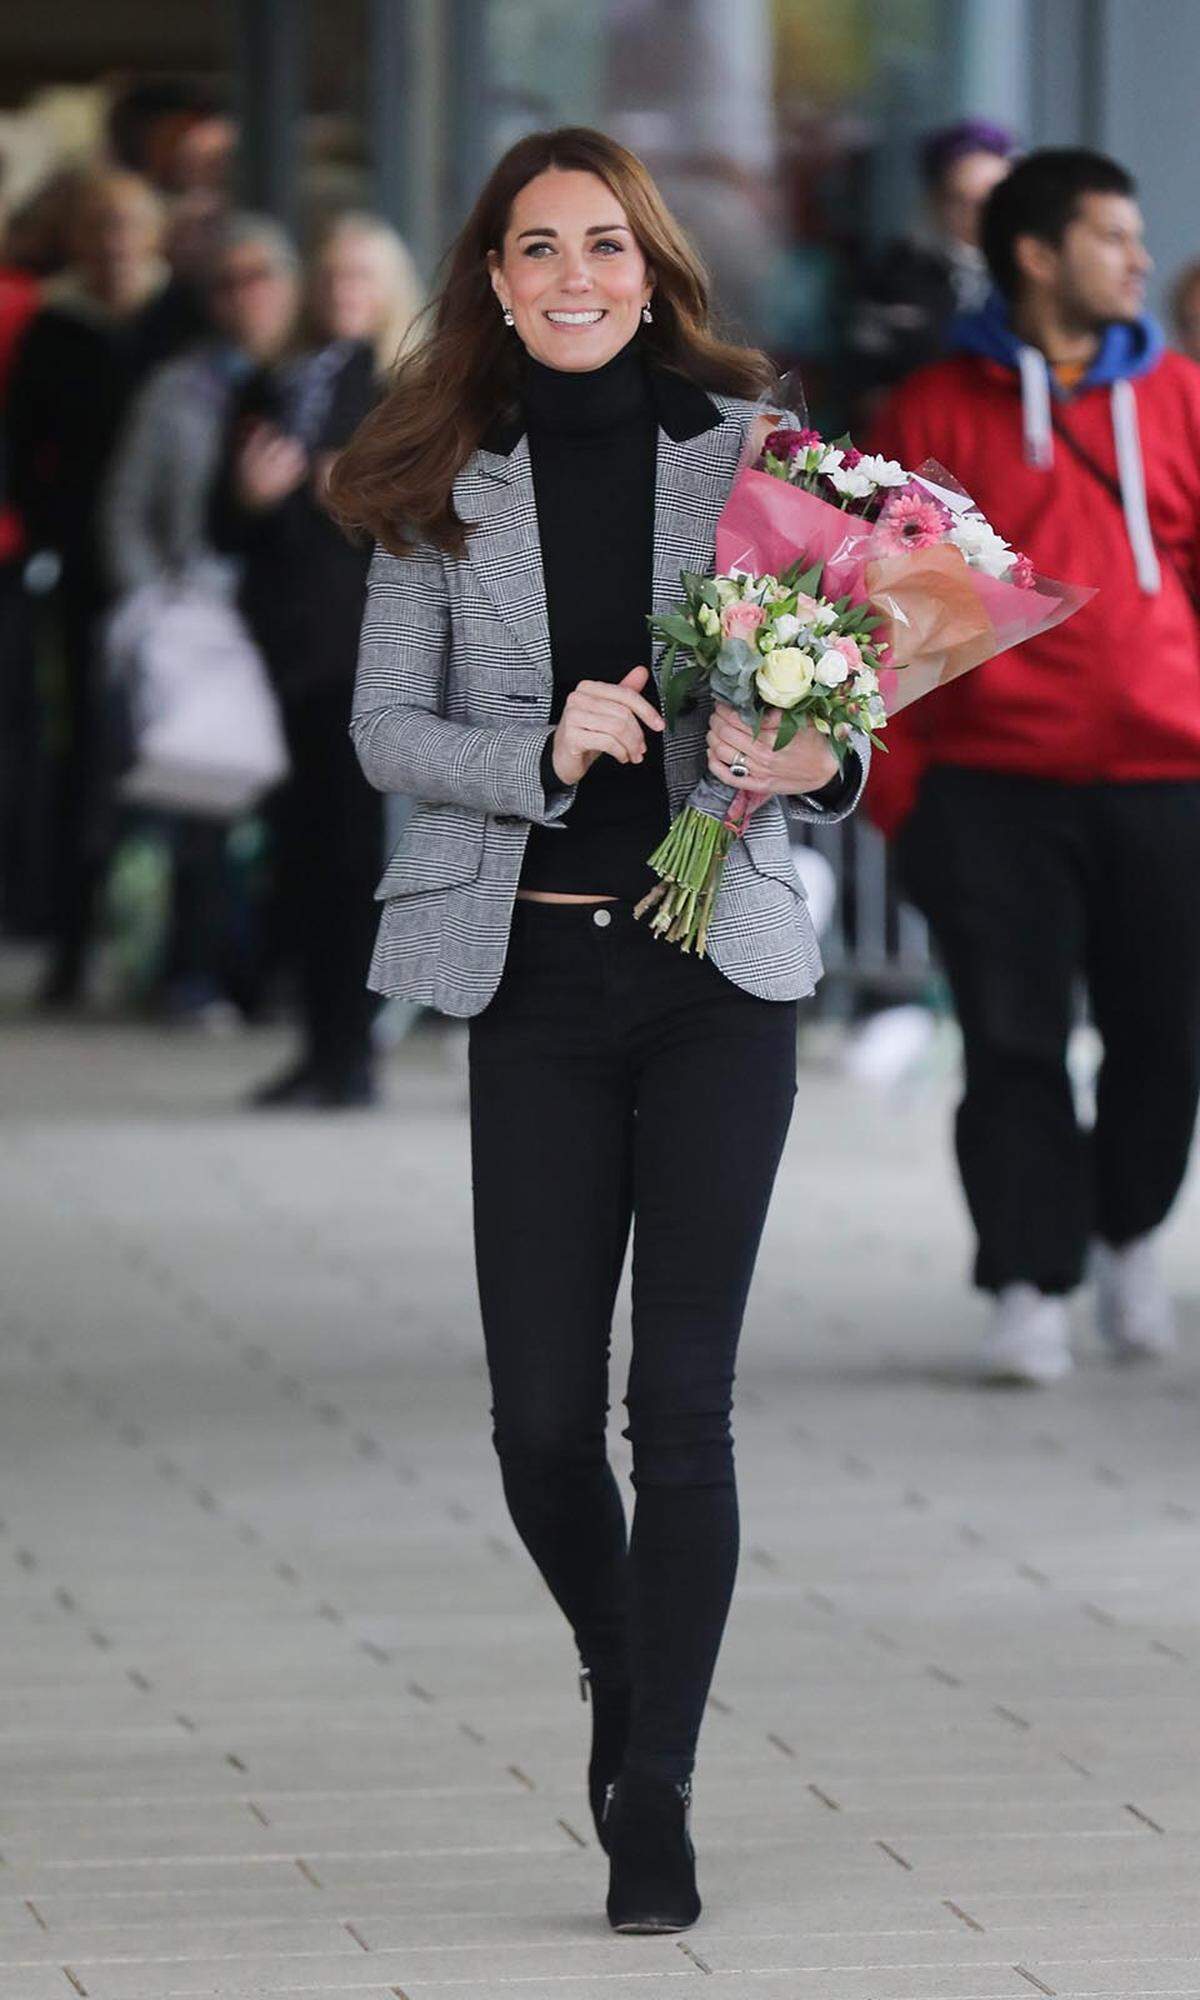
1134	1313
1028	1338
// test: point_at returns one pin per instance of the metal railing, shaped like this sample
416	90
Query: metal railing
873	938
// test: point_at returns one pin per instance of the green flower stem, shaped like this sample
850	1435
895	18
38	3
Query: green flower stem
689	863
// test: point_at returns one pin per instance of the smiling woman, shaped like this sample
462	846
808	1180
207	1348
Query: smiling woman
543	469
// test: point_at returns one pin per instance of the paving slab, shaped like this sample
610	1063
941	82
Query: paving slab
285	1709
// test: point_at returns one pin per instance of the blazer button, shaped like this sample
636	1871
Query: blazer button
602	918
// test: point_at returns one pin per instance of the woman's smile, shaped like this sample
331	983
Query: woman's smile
560	316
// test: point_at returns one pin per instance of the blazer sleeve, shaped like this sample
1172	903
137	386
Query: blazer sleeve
404	741
838	798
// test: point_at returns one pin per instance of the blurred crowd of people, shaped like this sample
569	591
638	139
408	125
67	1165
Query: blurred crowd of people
176	376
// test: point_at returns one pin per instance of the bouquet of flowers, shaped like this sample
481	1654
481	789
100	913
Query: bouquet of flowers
846	589
772	648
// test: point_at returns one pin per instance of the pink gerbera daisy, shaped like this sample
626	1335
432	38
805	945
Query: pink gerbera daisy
911	519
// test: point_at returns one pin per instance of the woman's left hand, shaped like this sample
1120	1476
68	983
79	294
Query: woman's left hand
808	763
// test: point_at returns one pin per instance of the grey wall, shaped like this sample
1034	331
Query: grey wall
1147	75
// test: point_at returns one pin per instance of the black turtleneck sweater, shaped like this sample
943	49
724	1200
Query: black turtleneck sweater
592	447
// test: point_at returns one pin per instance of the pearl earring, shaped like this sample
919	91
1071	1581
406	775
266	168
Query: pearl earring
647	315
508	318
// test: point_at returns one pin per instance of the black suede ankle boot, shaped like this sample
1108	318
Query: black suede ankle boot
652	1863
612	1703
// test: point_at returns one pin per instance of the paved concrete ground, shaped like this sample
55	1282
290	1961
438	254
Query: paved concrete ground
285	1710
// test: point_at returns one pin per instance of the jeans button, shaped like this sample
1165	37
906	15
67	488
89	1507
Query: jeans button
602	918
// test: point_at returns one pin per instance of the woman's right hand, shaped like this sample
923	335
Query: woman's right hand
270	465
603	718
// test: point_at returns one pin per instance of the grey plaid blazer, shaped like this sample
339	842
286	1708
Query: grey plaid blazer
452	704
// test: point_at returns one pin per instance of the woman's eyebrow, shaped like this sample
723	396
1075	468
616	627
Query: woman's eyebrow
597	229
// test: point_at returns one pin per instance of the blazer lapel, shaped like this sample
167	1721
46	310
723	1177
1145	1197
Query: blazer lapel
504	551
691	484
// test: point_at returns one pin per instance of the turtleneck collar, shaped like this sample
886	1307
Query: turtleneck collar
585	402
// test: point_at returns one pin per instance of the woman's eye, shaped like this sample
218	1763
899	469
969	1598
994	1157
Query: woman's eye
532	249
608	243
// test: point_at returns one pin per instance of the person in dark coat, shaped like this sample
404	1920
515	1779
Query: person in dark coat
104	326
19	300
910	293
302	593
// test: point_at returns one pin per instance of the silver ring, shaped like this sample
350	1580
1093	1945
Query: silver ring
738	768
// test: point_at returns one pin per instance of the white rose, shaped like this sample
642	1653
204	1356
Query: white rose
784	628
882	471
832	669
784	676
983	548
855	485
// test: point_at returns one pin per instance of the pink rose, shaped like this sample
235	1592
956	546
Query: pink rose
849	651
741	620
806	607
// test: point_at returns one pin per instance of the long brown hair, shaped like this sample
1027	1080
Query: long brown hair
394	478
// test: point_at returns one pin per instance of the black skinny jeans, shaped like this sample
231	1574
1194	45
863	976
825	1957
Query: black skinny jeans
614	1078
1032	888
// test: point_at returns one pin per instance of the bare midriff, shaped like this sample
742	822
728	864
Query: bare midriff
548	896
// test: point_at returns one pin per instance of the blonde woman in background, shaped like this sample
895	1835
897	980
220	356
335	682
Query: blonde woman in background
365	281
302	594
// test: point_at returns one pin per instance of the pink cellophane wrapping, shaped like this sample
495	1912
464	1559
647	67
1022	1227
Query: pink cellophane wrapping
941	617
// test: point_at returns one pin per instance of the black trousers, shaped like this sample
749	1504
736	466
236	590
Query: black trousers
1031	888
331	853
82	816
614	1079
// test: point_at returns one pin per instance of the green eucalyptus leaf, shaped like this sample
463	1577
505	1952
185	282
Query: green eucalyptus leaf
677	626
677	690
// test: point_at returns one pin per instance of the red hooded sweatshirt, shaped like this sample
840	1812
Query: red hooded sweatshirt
1114	693
18	304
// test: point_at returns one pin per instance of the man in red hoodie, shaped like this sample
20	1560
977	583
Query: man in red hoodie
1048	805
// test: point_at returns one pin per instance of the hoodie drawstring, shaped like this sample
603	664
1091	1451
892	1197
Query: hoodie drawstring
1132	475
1035	408
1038	435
